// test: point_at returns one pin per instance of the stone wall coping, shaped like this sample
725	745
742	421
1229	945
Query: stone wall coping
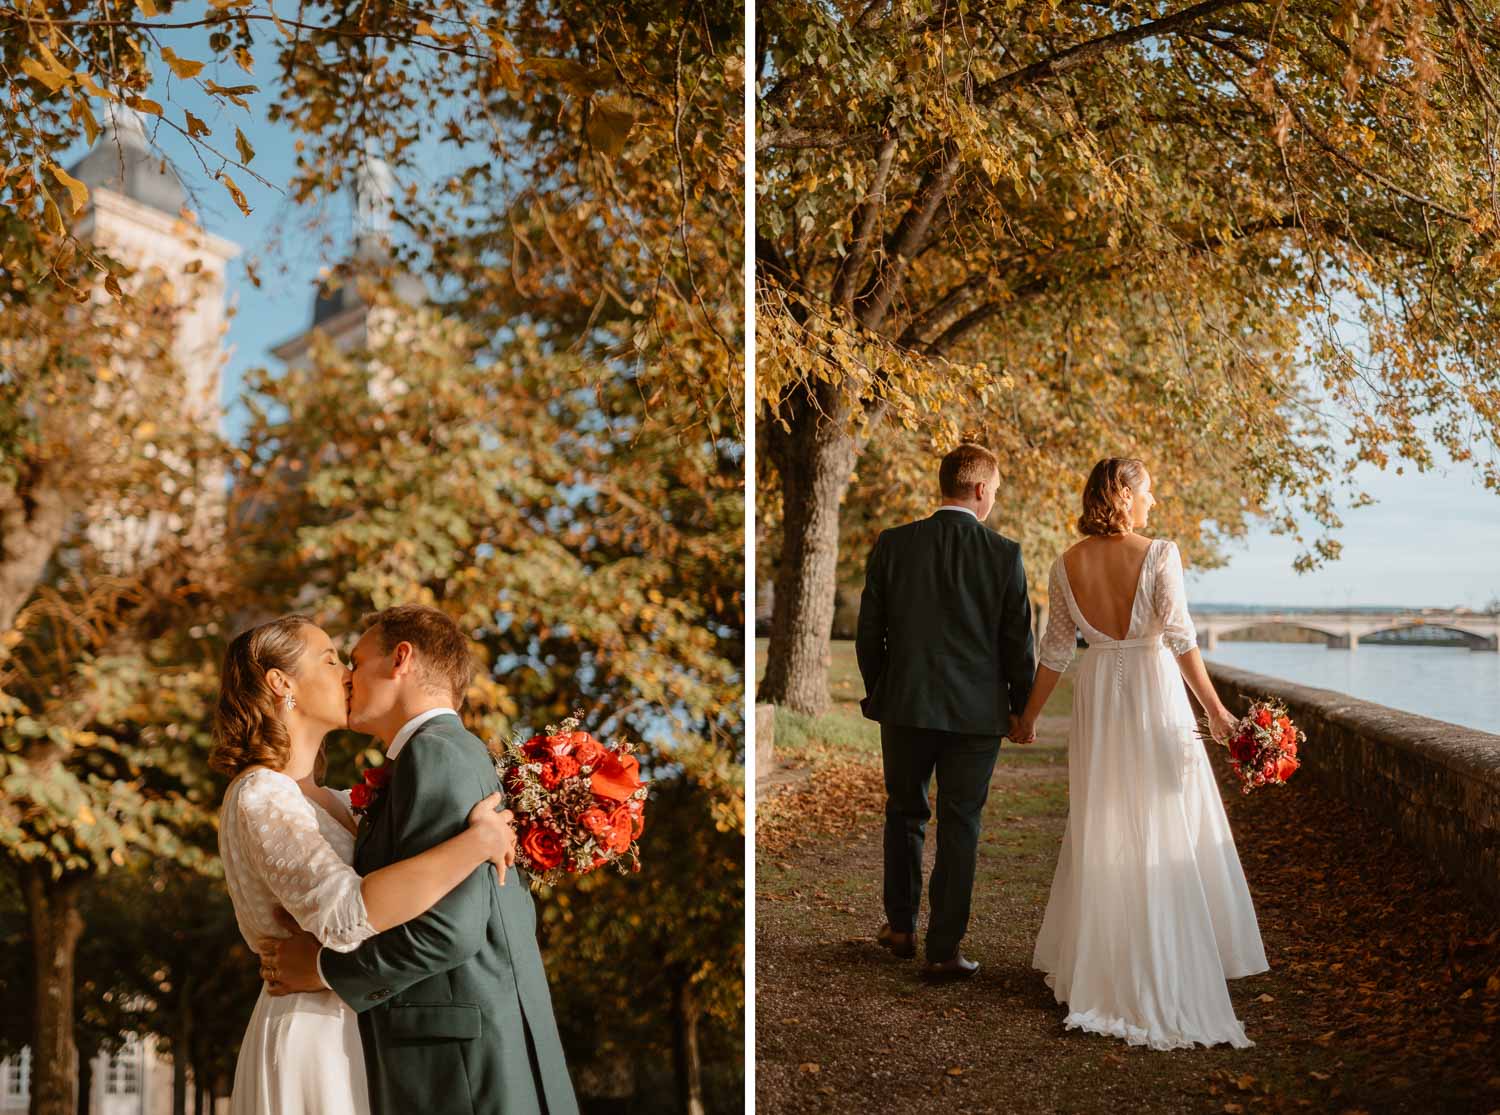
1466	751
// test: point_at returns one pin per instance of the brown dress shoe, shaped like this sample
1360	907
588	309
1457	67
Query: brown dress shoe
903	945
960	967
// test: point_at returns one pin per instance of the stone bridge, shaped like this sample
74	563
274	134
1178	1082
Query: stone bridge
1345	629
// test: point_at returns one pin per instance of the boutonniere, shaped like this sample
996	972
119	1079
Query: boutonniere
363	797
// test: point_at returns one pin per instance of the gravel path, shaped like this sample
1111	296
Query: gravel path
1383	994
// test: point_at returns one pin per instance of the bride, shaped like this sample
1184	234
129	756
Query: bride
1149	912
287	841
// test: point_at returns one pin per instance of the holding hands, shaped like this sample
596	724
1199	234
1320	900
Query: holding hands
1022	729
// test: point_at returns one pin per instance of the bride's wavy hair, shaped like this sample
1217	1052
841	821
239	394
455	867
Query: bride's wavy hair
247	728
1104	495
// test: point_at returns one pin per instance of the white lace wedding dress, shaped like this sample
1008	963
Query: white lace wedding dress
1149	912
301	1054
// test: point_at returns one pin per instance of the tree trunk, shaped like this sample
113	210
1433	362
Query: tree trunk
685	1049
55	927
181	1043
815	460
85	1079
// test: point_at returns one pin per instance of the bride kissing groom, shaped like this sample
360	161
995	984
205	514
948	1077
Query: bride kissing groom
1149	913
402	969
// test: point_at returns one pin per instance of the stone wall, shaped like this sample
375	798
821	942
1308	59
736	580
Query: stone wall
1434	783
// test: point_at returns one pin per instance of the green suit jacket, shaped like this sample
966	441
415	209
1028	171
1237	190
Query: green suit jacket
944	639
454	1010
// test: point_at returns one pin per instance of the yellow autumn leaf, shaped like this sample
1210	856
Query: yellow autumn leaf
144	104
148	8
47	77
195	126
234	192
182	67
242	145
86	816
50	210
78	193
81	112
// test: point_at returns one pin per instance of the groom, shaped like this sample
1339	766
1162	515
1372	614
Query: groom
945	650
454	1010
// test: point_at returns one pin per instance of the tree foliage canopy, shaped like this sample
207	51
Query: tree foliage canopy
1255	243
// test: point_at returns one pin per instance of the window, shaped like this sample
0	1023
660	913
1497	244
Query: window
17	1073
123	1077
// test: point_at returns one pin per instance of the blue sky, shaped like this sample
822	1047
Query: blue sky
1433	539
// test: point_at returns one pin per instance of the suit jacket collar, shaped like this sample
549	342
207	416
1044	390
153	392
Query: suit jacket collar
411	727
957	514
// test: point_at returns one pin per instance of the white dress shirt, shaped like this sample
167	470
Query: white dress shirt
398	741
957	507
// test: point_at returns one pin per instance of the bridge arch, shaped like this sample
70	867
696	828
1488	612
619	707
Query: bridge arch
1221	627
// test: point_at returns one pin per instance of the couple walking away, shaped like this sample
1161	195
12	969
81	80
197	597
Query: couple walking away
398	946
1149	913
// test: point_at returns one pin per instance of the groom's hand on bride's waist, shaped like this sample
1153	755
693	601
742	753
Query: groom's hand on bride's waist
290	964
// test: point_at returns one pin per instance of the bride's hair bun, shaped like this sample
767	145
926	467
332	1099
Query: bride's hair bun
247	726
1104	495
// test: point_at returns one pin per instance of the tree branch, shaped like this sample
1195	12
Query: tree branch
866	223
1076	57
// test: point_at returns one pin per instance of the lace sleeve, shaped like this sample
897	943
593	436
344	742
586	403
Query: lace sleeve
283	845
1170	602
1061	639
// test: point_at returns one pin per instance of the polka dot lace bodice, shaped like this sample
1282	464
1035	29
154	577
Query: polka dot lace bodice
280	849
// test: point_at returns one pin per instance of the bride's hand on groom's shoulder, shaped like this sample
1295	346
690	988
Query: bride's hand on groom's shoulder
497	829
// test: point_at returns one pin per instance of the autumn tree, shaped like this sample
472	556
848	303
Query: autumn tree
1192	232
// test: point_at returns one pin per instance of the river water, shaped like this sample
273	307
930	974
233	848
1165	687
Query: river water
1454	684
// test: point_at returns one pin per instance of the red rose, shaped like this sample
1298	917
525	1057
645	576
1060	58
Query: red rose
549	777
1242	748
566	766
1268	769
377	777
588	751
1285	767
542	846
1263	717
536	749
560	744
616	777
595	821
359	796
620	827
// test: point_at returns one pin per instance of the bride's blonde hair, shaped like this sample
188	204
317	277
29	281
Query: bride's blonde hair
1104	495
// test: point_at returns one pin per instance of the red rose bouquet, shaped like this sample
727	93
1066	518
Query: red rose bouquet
1263	746
579	803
